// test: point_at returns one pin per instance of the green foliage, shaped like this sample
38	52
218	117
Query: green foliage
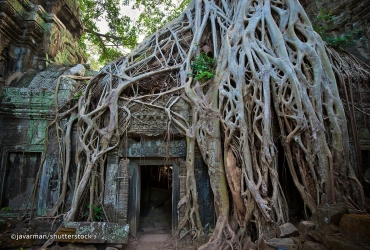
323	24
342	41
156	13
97	212
6	209
203	67
77	95
122	32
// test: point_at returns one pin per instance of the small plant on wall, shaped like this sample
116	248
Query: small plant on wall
97	212
323	24
203	67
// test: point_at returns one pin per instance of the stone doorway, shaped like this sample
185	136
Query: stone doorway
156	199
153	196
17	180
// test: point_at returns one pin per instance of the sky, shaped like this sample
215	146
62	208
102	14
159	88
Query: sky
103	25
125	11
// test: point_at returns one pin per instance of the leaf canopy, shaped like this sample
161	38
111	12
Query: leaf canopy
123	32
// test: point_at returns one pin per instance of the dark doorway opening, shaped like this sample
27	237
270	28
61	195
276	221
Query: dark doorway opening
366	170
292	195
156	198
19	179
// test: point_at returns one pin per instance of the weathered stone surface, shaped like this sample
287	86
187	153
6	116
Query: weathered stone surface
153	148
90	247
296	240
305	227
287	230
78	70
356	227
282	243
327	215
339	243
270	232
310	245
331	214
334	229
316	236
47	79
327	218
36	36
111	248
73	247
348	16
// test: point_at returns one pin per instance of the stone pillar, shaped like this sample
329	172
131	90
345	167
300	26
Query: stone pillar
49	189
110	191
134	197
123	191
182	188
175	196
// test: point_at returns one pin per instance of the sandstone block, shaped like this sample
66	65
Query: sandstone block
310	245
356	228
305	227
287	230
282	243
330	214
327	215
72	247
340	243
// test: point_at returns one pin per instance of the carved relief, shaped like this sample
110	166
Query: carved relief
151	121
25	26
153	148
4	63
55	41
116	191
123	190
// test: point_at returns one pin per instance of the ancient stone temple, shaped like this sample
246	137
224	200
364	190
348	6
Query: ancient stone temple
40	71
38	44
33	35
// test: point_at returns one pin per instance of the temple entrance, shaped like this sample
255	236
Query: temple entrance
17	179
156	199
153	196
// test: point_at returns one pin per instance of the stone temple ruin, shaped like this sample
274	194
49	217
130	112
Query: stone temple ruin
38	47
38	52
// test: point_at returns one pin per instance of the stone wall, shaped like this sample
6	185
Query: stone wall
32	37
348	15
25	113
